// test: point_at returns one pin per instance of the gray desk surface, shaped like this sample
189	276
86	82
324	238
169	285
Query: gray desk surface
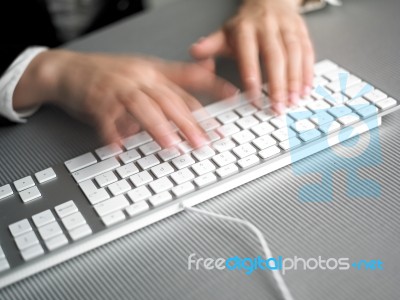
152	263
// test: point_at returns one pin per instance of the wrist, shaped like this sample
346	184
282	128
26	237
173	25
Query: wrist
39	82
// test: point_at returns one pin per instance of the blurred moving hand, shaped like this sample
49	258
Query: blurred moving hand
121	94
274	31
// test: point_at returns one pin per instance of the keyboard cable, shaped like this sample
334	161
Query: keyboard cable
267	252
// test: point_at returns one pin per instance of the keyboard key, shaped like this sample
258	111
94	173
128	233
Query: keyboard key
97	196
183	161
30	194
185	147
213	136
334	75
303	125
127	170
5	191
43	218
264	142
224	145
281	121
80	232
113	218
24	183
247	122
50	230
248	161
222	159
386	103
265	115
283	134
375	96
183	189
141	178
227	170
348	119
80	162
106	179
205	179
318	106
246	110
182	176
161	185
96	169
4	264
148	162
290	143
160	199
300	113
244	150
209	124
357	90
45	175
137	140
368	111
168	154
137	208
203	167
320	81
263	129
20	227
336	98
262	102
26	240
243	136
129	156
203	153
228	129
324	67
108	151
66	209
56	242
119	187
150	148
139	194
310	135
339	110
32	252
321	118
74	220
227	117
269	152
357	103
2	255
162	170
336	86
329	127
108	206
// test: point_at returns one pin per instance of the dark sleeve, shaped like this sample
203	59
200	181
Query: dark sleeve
23	23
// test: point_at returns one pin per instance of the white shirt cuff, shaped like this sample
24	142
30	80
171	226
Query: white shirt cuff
10	79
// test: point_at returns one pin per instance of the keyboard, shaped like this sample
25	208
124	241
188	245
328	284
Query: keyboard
68	209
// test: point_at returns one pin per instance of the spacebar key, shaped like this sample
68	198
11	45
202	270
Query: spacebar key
96	169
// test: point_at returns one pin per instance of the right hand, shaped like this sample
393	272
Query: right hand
121	94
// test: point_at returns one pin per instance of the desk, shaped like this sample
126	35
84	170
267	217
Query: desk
152	263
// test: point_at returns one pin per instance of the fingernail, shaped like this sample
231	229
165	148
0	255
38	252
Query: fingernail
171	139
199	140
307	90
279	108
294	98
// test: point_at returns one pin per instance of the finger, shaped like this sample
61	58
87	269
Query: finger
193	77
149	115
127	125
273	55
192	104
176	110
245	44
208	64
293	47
308	61
211	46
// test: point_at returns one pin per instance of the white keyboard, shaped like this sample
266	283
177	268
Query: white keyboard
66	210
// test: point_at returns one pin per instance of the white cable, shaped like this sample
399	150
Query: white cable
267	252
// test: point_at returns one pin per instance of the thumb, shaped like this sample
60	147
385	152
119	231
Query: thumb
213	45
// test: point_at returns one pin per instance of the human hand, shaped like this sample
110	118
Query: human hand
121	94
274	31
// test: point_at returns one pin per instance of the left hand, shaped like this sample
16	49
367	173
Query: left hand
274	31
